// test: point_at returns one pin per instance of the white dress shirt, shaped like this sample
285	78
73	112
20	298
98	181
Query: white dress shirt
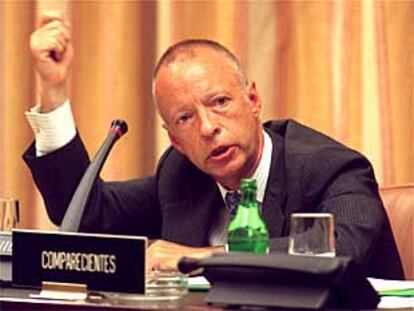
52	130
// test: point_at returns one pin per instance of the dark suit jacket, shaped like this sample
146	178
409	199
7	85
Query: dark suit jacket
309	173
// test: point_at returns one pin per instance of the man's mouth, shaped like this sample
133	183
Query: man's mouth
221	152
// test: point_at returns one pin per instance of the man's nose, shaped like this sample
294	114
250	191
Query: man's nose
208	123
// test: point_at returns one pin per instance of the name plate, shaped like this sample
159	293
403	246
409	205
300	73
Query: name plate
102	262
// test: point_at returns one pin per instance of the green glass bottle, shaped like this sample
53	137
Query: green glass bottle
247	231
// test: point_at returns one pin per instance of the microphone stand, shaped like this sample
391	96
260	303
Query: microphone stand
73	216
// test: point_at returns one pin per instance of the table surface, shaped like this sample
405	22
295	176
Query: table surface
19	299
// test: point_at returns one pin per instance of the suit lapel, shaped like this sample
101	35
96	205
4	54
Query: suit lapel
205	207
188	221
275	195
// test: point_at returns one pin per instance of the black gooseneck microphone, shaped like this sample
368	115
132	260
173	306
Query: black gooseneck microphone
73	216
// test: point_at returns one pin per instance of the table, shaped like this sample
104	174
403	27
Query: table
19	299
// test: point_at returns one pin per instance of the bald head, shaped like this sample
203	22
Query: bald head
190	49
185	58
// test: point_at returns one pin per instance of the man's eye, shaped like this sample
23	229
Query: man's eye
183	119
221	101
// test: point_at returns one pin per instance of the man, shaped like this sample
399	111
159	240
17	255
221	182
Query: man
211	112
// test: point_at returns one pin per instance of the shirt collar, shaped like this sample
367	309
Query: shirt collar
262	171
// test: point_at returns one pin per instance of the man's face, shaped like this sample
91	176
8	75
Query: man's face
211	115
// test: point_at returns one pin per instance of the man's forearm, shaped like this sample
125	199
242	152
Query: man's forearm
52	97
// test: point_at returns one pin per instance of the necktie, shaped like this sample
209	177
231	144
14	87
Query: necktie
232	199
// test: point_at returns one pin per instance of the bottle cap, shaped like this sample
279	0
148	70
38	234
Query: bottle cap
248	183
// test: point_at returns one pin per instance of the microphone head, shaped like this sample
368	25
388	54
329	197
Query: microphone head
120	127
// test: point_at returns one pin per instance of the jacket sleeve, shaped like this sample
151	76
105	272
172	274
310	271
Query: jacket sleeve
342	182
129	207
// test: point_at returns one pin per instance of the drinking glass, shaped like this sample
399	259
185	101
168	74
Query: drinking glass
312	234
9	213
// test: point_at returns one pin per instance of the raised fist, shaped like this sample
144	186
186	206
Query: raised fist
53	53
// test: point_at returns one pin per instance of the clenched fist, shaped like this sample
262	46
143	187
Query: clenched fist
52	53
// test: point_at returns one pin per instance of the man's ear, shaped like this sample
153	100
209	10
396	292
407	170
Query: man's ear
254	98
173	139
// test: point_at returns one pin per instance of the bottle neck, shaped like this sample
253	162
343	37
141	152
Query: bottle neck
248	196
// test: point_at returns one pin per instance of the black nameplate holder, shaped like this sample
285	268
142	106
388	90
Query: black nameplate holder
61	260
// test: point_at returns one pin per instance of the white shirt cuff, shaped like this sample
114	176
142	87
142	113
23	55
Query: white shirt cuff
52	130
